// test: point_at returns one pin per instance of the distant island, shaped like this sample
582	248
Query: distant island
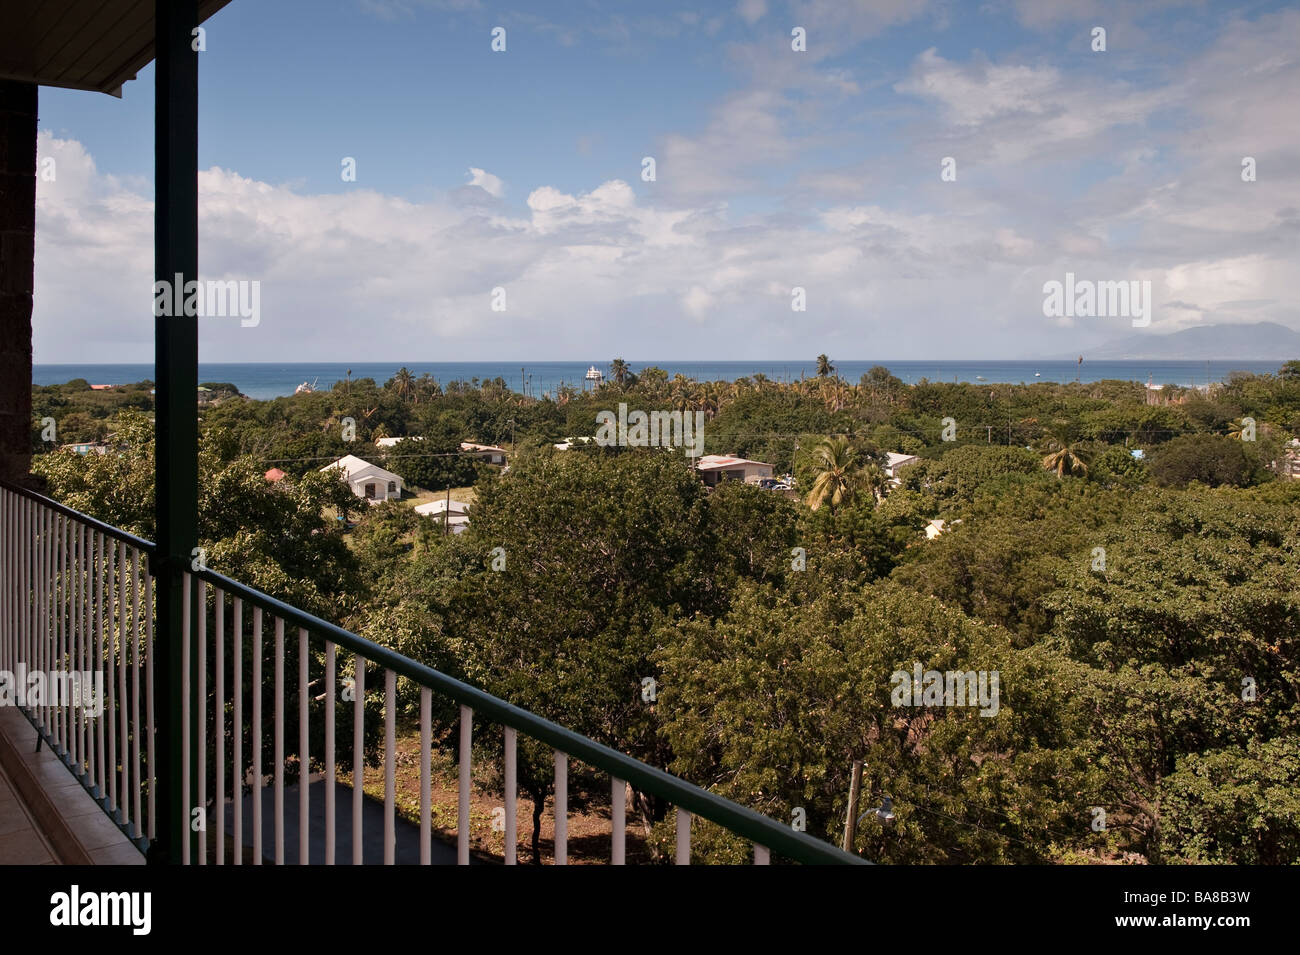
1258	341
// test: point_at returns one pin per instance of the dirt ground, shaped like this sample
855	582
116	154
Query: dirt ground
589	829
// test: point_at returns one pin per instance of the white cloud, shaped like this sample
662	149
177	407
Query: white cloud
745	131
697	302
751	11
896	263
975	92
489	183
396	9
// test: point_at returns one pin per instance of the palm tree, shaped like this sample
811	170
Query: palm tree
831	392
403	382
875	480
619	369
427	386
836	476
1063	455
680	392
716	393
824	367
1239	429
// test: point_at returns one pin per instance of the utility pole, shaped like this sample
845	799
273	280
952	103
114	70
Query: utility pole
446	513
851	822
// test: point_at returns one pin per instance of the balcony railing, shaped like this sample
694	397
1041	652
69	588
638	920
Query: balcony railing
77	598
78	595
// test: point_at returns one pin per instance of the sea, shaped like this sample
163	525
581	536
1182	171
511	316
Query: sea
265	380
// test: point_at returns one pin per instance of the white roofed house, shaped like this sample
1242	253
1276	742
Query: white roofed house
939	526
86	447
453	514
488	452
369	482
895	462
393	442
568	443
716	468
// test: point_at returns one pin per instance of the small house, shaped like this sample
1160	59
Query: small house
454	514
86	447
895	462
488	452
369	482
716	468
939	526
568	443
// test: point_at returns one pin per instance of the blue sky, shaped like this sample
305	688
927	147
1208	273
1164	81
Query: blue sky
819	169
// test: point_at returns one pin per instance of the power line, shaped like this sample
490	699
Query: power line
402	456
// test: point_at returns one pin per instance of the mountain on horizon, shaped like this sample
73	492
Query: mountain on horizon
1258	341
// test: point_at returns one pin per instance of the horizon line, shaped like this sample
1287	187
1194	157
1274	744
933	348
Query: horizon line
697	361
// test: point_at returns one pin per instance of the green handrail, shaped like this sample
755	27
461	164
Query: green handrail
108	530
752	825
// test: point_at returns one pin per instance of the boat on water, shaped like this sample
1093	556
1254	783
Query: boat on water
305	389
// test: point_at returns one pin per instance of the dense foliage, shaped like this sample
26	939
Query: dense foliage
1126	561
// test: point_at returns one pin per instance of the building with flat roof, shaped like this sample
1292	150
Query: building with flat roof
453	514
716	468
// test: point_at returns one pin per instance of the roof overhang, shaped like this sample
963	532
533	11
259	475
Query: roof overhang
92	45
729	464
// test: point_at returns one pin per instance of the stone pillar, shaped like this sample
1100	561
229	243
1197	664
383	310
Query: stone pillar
17	248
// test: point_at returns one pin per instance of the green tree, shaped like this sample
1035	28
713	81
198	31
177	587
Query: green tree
404	383
836	474
1011	551
1208	458
965	472
1116	465
882	386
1063	455
1190	642
1234	807
577	557
770	705
874	479
753	530
279	537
